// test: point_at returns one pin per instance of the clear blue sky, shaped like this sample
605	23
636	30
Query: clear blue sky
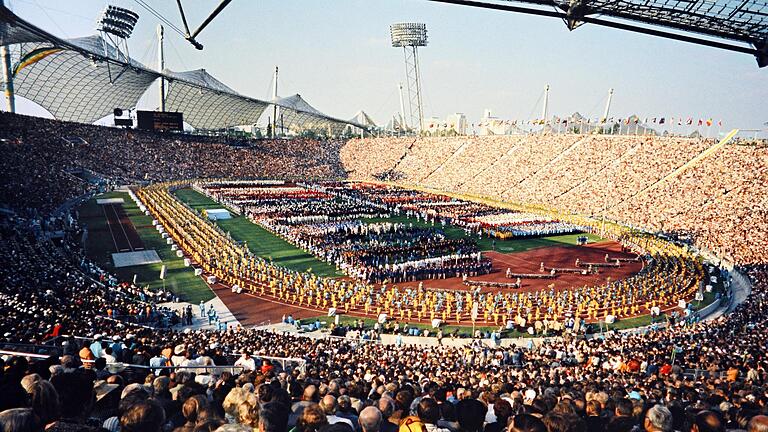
337	55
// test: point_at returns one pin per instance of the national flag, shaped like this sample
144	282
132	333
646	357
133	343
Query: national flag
661	120
654	120
709	122
700	122
719	122
690	121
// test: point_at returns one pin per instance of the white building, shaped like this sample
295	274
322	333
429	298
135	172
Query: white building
490	125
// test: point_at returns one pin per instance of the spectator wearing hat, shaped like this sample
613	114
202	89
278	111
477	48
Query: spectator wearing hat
86	357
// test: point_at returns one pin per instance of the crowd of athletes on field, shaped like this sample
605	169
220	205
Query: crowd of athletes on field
343	231
619	382
670	277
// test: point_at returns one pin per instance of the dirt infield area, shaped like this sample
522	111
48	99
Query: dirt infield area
251	310
124	234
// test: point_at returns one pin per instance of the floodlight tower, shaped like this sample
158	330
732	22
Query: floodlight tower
411	36
116	25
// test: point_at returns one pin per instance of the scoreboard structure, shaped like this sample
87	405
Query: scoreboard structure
160	120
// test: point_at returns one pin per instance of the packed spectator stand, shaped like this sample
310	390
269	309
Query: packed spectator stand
694	376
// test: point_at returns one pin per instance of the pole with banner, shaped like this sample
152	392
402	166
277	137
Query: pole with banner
162	275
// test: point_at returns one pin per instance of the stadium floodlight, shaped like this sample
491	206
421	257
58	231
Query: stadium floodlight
410	36
115	26
117	21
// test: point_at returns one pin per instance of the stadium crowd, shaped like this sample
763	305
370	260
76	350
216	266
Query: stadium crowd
690	376
659	380
41	155
718	201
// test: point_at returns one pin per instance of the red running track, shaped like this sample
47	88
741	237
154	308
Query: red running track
124	234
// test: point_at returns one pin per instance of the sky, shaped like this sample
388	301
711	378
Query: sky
338	56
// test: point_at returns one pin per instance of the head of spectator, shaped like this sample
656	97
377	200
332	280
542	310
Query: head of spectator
658	419
758	423
370	419
273	417
312	419
470	413
144	416
708	421
428	411
20	420
44	401
329	405
527	423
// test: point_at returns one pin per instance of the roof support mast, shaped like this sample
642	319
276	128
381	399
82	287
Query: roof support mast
161	65
546	104
403	124
10	98
607	105
274	105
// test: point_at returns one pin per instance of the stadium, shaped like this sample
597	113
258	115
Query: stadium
178	255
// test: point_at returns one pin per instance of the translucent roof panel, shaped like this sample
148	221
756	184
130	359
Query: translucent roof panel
209	104
11	32
296	115
76	87
84	79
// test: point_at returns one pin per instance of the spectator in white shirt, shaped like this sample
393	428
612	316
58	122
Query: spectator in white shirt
247	362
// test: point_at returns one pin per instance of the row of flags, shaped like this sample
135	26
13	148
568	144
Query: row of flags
672	121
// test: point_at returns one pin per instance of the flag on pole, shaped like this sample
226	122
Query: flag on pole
661	120
709	122
700	122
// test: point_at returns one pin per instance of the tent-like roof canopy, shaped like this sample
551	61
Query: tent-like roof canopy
207	103
76	86
296	115
84	79
362	117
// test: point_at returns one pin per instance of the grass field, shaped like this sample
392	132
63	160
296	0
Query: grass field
99	245
260	241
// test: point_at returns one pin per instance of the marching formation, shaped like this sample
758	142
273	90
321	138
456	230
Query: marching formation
670	275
